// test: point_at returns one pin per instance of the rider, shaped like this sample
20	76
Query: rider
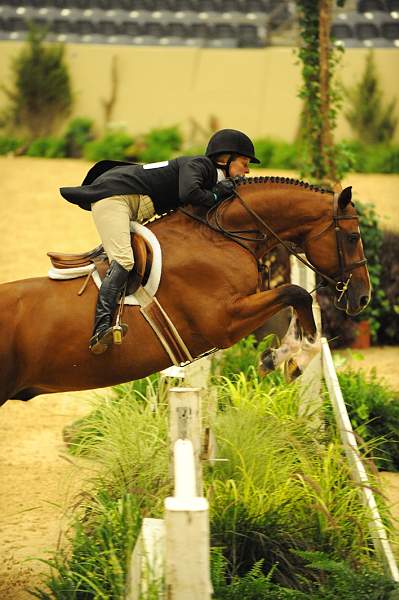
118	193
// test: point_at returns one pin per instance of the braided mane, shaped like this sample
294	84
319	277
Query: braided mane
242	180
276	179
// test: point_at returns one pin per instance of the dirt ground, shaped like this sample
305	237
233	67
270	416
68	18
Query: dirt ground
38	479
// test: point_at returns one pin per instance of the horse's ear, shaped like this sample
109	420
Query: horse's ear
345	197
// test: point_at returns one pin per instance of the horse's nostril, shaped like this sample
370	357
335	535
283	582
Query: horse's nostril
364	300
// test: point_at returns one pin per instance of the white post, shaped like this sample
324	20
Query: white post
184	467
196	374
359	472
147	570
187	566
306	278
310	381
185	423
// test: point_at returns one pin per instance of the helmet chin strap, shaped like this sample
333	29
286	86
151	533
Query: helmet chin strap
226	167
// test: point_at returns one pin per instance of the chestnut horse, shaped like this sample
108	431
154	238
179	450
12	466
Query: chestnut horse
208	287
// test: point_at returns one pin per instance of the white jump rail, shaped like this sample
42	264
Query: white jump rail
359	473
304	277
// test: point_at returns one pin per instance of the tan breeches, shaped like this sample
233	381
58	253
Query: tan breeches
112	218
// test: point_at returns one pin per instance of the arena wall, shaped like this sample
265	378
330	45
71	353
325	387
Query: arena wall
252	89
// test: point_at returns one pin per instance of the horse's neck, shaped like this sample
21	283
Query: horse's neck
291	211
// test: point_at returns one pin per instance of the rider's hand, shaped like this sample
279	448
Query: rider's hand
224	189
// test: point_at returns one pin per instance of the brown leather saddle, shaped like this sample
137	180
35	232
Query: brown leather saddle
142	253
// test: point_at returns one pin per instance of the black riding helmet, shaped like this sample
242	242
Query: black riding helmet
231	141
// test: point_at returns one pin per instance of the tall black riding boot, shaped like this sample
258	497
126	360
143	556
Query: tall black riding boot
108	296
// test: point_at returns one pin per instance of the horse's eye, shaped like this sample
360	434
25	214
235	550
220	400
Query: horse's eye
353	237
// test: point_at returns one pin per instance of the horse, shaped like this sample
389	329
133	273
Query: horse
208	287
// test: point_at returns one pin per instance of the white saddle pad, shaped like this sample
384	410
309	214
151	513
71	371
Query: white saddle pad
151	287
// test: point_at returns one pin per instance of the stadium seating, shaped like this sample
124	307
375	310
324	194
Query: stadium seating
214	23
374	24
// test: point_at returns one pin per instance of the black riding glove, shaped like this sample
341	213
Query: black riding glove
224	189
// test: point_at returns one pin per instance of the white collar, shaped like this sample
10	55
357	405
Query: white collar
221	175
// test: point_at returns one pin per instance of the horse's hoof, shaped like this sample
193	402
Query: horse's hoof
267	363
291	370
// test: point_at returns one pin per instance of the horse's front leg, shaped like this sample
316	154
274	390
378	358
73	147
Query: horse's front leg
296	350
251	311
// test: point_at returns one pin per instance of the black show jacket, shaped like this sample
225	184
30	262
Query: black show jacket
173	183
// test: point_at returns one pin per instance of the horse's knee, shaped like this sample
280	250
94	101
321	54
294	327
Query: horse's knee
295	296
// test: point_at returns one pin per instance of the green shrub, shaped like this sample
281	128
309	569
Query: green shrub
264	149
374	412
101	549
194	151
159	144
284	487
77	135
113	146
372	158
389	281
49	147
339	581
8	145
350	155
371	121
41	90
276	154
285	156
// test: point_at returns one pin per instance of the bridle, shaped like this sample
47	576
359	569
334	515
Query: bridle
339	280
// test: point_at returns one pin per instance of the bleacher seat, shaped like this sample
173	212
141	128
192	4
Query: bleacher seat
248	36
206	6
370	6
154	29
343	35
84	27
342	31
223	35
231	6
254	6
130	29
370	35
108	28
216	21
15	23
177	30
200	31
390	31
179	5
61	26
80	4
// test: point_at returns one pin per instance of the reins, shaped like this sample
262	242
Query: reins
235	236
339	283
